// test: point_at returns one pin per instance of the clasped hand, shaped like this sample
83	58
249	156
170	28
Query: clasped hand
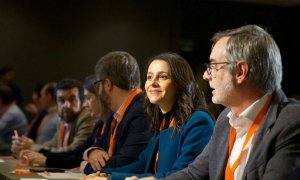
97	158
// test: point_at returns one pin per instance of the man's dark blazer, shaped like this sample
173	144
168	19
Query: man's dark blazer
132	136
274	155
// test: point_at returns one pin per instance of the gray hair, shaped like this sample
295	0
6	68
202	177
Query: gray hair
121	68
256	46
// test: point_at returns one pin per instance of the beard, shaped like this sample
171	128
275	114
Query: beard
68	115
104	98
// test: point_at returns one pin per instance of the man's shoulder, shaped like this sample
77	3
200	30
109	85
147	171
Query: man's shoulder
84	117
15	112
136	106
135	110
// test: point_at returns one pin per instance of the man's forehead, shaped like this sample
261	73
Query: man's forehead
68	92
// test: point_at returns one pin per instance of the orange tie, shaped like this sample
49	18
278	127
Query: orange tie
61	134
112	142
229	172
161	127
64	133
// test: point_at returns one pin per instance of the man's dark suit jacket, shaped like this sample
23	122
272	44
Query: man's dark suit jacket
274	155
132	137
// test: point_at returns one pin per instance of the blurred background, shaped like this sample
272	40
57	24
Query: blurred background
48	40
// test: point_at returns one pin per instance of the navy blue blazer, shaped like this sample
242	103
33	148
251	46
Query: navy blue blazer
132	136
176	151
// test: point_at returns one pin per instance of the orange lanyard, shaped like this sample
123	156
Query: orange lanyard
229	172
102	129
61	134
115	123
161	127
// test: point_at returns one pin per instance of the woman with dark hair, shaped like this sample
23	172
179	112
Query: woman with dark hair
176	110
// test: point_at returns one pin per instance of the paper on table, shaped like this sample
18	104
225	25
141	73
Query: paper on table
1	161
33	179
65	175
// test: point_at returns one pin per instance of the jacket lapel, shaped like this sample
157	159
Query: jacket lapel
278	102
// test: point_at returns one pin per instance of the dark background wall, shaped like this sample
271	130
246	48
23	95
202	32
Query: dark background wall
51	39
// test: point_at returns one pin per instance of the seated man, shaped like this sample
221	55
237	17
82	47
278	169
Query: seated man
76	123
73	158
257	135
123	96
46	129
124	136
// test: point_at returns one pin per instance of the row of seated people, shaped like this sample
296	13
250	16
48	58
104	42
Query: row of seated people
162	132
40	130
158	132
52	119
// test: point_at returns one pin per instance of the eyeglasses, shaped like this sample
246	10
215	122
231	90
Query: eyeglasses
211	66
97	84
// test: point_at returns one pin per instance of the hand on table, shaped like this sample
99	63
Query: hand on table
33	158
96	176
97	158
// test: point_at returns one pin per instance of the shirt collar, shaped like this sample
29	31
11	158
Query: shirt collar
243	122
120	109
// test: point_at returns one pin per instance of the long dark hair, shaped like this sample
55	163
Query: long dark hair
189	97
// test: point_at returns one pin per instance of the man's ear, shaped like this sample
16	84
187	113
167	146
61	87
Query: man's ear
242	71
108	84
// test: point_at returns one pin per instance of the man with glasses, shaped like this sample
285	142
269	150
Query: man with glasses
125	134
257	135
73	130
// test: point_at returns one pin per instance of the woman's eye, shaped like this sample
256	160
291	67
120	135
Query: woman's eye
164	77
149	77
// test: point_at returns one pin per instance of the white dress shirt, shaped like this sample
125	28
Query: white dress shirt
242	124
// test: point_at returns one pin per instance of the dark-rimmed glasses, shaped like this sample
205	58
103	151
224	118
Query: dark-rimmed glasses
211	66
97	83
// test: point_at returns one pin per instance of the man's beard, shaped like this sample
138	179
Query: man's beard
104	99
68	115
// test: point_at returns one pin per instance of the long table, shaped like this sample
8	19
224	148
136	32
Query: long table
10	164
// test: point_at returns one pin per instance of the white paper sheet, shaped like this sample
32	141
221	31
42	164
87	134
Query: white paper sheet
66	175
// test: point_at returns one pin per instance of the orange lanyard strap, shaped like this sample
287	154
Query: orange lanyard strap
229	172
102	129
115	123
161	127
61	134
